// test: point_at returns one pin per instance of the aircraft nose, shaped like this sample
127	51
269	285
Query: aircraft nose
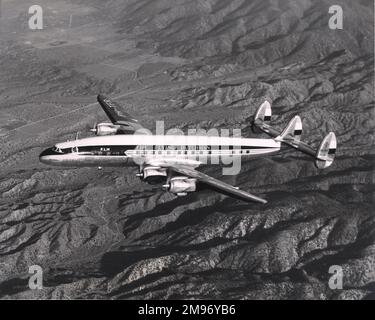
45	156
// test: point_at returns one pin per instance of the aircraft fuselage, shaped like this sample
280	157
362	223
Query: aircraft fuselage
128	150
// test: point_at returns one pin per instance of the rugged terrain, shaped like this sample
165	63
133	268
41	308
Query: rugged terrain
105	234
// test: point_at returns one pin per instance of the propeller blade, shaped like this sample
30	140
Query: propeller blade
93	129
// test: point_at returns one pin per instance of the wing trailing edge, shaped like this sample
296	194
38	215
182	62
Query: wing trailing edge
216	184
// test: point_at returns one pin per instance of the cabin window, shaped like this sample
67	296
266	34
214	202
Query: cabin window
56	149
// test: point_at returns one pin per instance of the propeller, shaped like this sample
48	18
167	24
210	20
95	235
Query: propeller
92	129
166	187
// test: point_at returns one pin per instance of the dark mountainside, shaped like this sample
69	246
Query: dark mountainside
105	234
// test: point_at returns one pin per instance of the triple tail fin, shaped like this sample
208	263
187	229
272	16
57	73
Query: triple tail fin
264	112
326	151
293	130
291	135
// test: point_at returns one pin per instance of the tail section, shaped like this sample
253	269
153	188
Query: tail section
262	119
264	113
326	151
291	135
293	130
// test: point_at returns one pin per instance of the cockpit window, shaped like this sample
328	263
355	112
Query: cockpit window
56	149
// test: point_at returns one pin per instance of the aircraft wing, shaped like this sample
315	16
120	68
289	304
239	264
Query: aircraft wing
117	116
216	184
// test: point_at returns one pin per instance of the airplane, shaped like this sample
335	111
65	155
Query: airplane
172	159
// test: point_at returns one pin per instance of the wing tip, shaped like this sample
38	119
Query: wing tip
100	97
263	201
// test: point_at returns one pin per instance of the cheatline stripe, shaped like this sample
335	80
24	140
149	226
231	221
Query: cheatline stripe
178	147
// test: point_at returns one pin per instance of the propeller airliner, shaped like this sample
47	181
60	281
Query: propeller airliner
172	160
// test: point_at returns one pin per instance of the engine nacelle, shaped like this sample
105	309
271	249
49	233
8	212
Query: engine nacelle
181	185
154	175
105	129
